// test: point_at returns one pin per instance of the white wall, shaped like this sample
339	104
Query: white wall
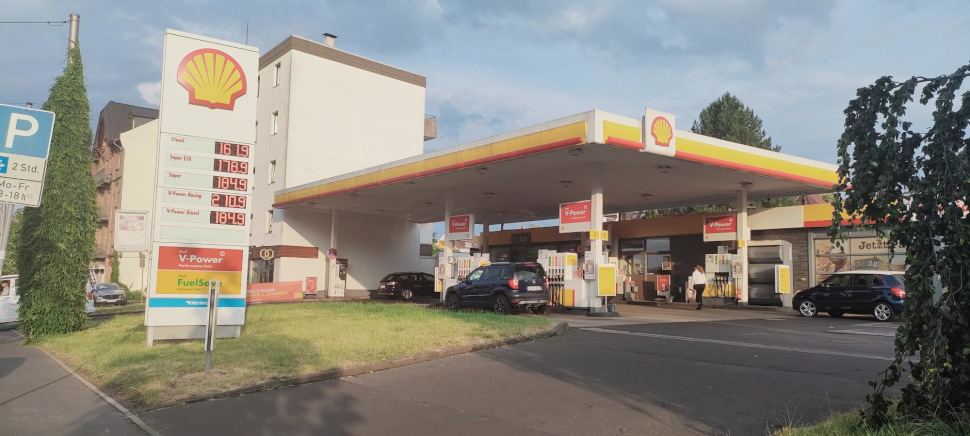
373	247
343	119
138	192
270	146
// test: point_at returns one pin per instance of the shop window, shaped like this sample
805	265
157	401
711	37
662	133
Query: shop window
261	271
632	245
658	244
655	263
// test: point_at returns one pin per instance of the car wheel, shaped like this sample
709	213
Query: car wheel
882	312
451	302
407	294
835	314
807	308
500	305
541	310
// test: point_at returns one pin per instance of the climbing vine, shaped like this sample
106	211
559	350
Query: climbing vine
909	181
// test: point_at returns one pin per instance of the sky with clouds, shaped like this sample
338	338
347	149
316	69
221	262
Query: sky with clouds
498	65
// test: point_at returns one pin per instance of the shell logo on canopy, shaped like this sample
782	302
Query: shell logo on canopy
661	131
213	78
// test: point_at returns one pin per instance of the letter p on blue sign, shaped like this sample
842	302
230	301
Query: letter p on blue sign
25	132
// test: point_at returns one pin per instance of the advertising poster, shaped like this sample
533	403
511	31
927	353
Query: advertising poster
180	286
721	228
267	292
131	231
461	227
576	217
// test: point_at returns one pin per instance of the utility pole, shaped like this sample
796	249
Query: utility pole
72	34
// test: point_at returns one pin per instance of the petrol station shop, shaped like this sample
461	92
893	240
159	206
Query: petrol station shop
579	168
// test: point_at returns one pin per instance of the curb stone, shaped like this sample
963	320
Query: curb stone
559	329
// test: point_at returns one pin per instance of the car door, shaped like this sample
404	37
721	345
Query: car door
8	303
466	289
425	285
862	292
489	281
832	294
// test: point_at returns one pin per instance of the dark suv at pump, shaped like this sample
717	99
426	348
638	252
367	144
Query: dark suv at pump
503	288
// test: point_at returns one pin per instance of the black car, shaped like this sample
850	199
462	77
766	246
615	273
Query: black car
109	293
407	285
879	293
502	287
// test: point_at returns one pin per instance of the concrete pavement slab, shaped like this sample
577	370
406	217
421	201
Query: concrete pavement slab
38	397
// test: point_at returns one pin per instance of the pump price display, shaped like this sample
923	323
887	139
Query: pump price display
230	166
229	200
227	218
230	149
230	183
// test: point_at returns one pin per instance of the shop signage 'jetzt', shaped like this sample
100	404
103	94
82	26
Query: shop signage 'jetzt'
720	228
575	217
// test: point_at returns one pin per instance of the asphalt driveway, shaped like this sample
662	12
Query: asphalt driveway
653	371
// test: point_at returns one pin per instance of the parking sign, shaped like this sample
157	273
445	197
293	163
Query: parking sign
25	141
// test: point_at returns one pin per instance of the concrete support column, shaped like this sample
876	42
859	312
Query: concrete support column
743	237
333	244
448	252
485	234
596	245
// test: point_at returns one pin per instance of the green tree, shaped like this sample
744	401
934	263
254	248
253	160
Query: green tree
115	270
729	119
13	243
912	186
57	238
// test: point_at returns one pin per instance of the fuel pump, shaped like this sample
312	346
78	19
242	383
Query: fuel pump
337	278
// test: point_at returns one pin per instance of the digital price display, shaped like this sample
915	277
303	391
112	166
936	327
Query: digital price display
230	166
230	183
229	200
227	218
230	149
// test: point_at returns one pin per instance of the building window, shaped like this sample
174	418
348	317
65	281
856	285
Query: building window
276	74
258	80
271	172
269	221
276	122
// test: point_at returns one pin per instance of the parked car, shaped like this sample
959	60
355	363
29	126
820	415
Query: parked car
109	293
879	293
503	288
407	285
10	299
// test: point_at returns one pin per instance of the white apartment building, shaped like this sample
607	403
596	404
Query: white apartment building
323	112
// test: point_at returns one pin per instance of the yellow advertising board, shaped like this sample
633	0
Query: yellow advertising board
606	281
783	278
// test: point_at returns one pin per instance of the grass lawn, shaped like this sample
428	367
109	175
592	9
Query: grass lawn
277	341
850	424
130	307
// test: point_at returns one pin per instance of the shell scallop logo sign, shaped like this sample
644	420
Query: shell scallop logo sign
659	133
213	78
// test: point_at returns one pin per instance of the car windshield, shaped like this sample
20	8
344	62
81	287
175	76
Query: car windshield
388	277
530	271
107	287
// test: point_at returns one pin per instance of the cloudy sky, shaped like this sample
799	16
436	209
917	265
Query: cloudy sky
498	65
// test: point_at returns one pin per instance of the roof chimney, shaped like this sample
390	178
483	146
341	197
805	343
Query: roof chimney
329	39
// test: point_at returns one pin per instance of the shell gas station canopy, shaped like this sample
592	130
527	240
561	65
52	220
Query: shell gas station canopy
524	175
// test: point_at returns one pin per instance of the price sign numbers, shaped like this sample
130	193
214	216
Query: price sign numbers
229	200
230	149
230	166
230	183
227	218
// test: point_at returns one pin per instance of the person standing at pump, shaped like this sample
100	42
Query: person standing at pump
698	280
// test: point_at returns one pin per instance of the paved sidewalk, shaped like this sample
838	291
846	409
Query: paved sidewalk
38	397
